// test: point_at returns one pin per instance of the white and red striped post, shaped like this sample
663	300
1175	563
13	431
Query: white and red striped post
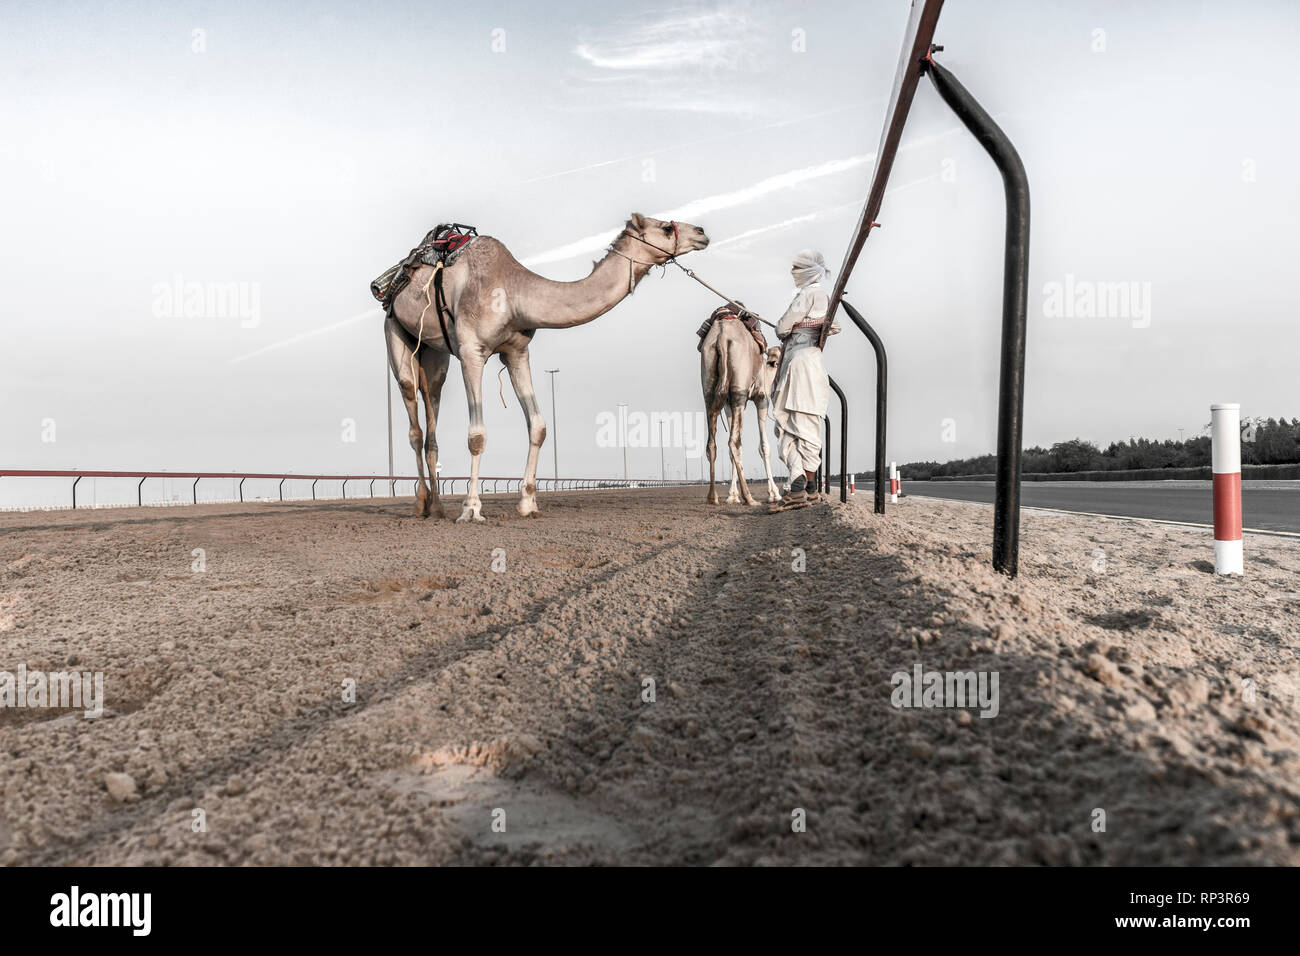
893	482
853	483
1225	453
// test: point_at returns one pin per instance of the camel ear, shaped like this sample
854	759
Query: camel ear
637	221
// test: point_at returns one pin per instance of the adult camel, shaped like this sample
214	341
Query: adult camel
494	306
735	371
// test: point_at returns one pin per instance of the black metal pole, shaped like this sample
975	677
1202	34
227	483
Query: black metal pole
1015	298
139	494
824	472
844	440
882	395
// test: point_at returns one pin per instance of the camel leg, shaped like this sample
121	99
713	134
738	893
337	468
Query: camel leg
712	450
399	360
521	377
773	493
471	368
733	493
737	405
433	371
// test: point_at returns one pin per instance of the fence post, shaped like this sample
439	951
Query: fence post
241	489
844	439
194	491
882	397
1225	453
74	492
139	495
1015	297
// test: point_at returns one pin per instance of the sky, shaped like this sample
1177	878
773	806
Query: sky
278	157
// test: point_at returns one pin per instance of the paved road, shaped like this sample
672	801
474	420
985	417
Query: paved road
1266	505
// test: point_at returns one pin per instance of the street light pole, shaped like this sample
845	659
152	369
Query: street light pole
555	424
622	430
388	387
663	472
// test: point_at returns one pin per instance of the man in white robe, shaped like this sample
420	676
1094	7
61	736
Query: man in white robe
802	389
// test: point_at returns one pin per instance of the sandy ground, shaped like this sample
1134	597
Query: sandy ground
1131	681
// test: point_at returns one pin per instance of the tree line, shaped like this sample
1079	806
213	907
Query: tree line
1271	441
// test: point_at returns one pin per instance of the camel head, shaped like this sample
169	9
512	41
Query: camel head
772	358
662	240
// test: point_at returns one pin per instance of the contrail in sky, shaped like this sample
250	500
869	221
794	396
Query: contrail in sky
728	200
303	336
697	142
751	234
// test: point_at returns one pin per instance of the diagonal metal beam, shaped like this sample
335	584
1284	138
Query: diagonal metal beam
916	47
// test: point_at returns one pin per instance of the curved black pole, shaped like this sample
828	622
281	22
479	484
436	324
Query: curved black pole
1015	298
195	490
823	471
139	495
74	492
844	440
882	394
282	481
241	489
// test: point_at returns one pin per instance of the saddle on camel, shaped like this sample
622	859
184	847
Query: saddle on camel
730	312
440	247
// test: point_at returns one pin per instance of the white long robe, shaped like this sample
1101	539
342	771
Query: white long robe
802	390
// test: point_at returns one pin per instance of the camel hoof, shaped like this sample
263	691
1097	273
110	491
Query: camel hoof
711	499
470	513
527	509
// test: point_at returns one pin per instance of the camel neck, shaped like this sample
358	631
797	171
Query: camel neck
548	304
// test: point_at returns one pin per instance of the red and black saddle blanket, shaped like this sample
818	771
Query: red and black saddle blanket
731	312
444	243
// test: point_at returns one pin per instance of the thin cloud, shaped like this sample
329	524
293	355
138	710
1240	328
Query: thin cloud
304	336
728	200
595	243
748	236
684	62
717	39
721	137
708	204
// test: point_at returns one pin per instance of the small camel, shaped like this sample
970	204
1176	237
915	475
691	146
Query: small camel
496	306
735	372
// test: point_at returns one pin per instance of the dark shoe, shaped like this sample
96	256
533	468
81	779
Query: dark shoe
796	497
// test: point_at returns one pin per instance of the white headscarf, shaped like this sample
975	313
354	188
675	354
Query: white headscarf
808	267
